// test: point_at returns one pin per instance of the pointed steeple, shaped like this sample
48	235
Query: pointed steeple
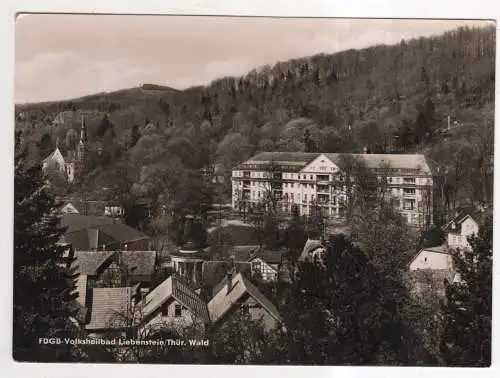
83	131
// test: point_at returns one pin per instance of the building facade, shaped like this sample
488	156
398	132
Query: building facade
459	229
305	180
72	165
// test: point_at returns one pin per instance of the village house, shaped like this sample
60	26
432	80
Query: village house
266	264
464	224
306	179
91	233
432	258
174	304
238	294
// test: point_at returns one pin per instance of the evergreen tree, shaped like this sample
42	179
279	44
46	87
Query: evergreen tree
43	283
468	308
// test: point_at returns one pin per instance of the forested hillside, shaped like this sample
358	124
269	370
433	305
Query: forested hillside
430	95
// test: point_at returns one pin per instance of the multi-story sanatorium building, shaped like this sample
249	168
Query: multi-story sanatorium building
305	179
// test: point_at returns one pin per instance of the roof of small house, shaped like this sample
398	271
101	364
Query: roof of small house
310	246
443	249
141	263
224	301
215	271
244	252
461	215
76	222
250	252
137	262
109	307
110	231
88	263
174	288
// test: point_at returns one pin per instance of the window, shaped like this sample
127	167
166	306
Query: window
409	191
305	197
409	204
178	310
164	311
245	309
425	259
310	177
409	180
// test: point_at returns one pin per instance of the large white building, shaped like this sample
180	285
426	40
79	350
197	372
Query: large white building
304	179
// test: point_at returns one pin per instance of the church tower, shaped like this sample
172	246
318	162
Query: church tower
81	150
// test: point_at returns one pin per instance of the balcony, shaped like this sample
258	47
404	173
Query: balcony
322	179
323	189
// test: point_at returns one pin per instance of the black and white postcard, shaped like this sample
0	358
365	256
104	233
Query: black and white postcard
253	190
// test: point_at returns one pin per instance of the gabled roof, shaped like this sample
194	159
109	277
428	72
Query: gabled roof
215	271
250	252
52	154
443	249
244	252
110	307
371	161
270	256
310	246
110	231
461	215
393	161
174	288
223	302
140	263
137	262
76	222
88	263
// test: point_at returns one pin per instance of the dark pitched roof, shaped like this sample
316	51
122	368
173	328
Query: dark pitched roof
462	214
172	287
249	252
110	231
109	307
310	246
223	301
244	252
437	249
88	263
76	222
270	256
215	271
139	262
122	233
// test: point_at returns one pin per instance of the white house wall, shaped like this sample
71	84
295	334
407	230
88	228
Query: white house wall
431	260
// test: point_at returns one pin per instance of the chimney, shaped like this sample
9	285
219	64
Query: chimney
93	234
229	281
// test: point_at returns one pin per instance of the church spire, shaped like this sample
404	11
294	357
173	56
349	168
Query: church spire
83	131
